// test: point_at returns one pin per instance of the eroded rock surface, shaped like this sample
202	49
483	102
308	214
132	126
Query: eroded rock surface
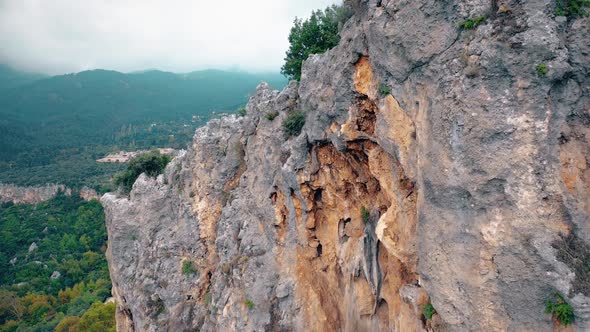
31	195
465	186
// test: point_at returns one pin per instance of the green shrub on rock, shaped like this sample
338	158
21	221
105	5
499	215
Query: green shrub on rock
152	164
560	310
366	215
472	23
428	311
384	89
241	111
188	268
542	70
293	124
272	116
249	304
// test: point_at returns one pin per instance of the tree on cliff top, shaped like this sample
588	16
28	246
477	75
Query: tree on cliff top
315	35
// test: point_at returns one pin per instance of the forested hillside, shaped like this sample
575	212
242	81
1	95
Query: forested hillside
53	268
53	129
10	78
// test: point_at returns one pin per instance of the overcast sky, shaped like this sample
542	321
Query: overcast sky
64	36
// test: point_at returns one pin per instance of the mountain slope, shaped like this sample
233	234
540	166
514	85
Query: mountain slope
10	78
90	105
93	112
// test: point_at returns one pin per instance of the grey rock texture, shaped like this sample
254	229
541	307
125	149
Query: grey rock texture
30	195
464	186
38	194
33	247
55	275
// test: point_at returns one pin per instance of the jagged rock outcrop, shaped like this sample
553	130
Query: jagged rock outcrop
465	185
38	194
30	195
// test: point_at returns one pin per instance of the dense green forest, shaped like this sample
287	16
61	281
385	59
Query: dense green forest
53	271
52	130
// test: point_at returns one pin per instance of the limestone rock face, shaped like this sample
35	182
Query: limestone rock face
37	194
30	195
465	185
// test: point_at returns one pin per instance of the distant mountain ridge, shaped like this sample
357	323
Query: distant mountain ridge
11	78
96	111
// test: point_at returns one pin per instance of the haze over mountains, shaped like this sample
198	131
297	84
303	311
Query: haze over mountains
53	128
10	78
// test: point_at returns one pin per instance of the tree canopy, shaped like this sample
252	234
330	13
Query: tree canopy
63	279
315	35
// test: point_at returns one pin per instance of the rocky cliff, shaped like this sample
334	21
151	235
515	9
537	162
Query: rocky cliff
437	164
31	195
38	194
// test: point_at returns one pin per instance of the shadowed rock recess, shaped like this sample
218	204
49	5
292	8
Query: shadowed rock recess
465	185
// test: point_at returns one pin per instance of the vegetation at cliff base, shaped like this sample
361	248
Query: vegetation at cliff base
315	35
53	270
152	164
560	310
293	124
99	318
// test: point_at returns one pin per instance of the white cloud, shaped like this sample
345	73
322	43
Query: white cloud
62	36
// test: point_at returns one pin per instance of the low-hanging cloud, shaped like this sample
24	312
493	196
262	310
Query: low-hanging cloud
62	36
